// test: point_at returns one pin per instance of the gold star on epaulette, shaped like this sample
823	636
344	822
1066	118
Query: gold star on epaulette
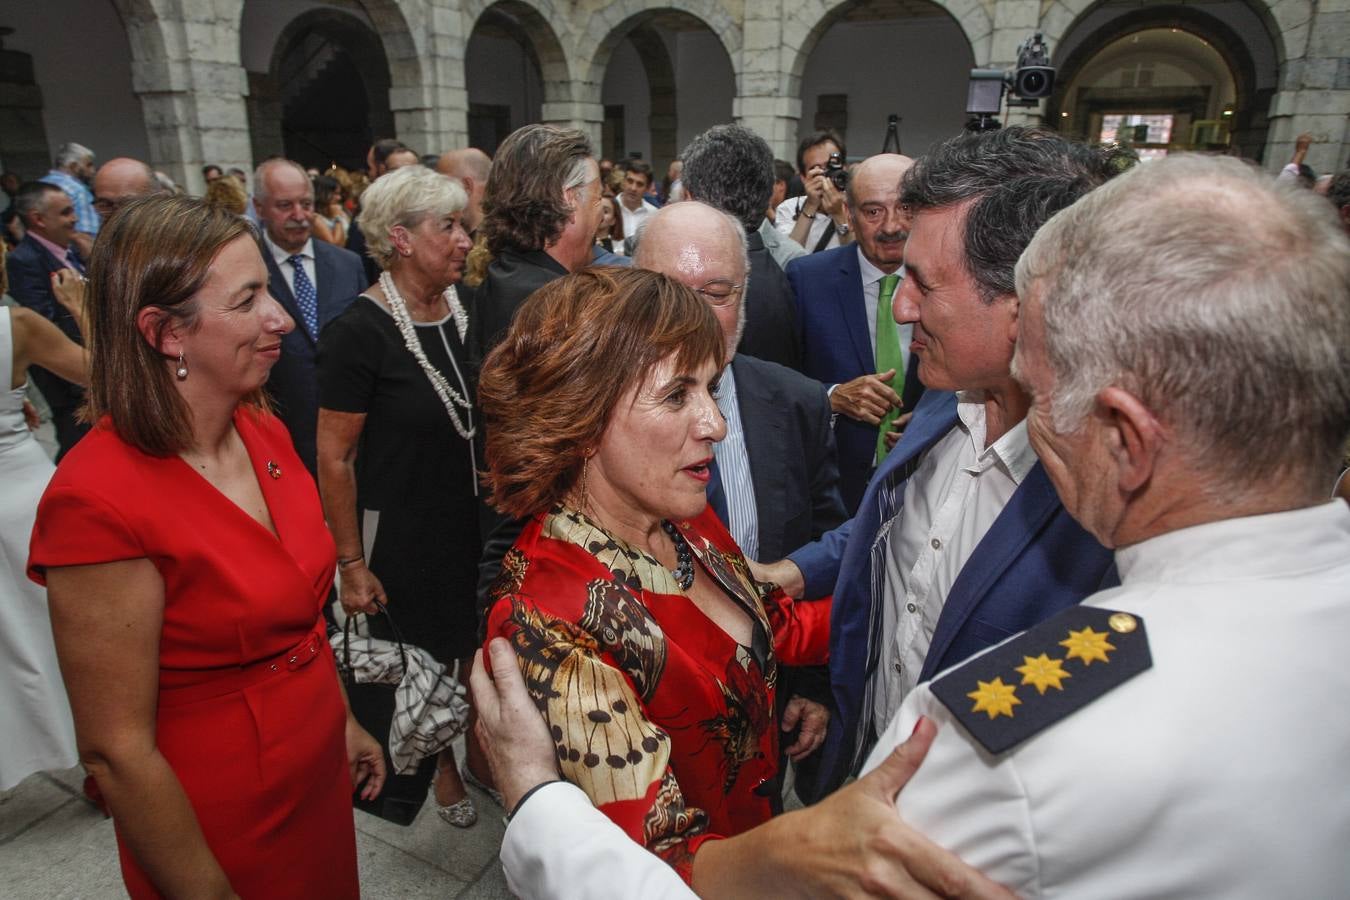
1043	672
1087	645
994	698
999	719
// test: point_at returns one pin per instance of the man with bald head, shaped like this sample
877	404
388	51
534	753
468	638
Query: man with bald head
471	166
850	341
119	181
775	482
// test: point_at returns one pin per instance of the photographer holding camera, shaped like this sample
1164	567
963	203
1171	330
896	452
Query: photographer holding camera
819	220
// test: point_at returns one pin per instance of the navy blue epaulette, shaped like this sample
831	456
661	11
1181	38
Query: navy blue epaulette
1039	677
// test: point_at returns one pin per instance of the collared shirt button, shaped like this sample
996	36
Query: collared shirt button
899	667
911	607
936	544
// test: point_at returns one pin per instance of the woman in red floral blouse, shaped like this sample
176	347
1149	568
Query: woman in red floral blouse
642	635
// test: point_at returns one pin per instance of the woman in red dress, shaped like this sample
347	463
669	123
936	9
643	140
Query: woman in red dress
651	650
186	562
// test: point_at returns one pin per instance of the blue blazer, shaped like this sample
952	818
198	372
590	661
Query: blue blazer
1034	561
837	347
30	266
338	279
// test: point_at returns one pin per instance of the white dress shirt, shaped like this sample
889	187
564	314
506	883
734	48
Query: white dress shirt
282	258
733	467
633	218
950	503
785	217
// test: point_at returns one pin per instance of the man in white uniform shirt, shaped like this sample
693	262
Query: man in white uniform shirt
1177	736
633	206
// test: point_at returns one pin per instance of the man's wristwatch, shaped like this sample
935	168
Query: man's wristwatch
841	228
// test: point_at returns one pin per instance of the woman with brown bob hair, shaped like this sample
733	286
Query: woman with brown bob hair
638	626
186	562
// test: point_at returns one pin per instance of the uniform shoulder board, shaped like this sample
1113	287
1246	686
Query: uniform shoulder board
1039	677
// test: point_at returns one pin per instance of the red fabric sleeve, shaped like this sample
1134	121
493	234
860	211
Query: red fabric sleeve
801	628
76	528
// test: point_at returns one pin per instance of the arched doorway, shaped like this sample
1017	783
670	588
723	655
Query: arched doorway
1181	76
868	59
331	83
513	65
668	78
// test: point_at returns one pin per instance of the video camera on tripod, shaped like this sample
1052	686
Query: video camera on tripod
1028	83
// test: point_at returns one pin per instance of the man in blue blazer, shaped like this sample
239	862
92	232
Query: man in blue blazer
326	277
837	295
960	540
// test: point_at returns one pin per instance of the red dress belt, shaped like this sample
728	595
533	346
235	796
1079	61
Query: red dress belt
204	684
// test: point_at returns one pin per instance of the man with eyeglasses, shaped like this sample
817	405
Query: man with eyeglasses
775	480
850	341
119	181
731	168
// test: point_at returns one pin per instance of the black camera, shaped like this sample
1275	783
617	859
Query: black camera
1031	81
836	172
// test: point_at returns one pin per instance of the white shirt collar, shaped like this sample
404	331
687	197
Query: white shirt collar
282	256
1012	450
870	273
1271	545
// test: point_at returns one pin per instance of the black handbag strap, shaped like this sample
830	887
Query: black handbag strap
347	634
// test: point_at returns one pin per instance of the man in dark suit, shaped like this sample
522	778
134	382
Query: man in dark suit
775	482
961	540
731	168
314	280
540	211
47	248
850	340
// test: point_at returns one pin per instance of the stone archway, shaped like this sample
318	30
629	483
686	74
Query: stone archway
1245	53
677	76
863	60
325	96
529	27
515	72
700	28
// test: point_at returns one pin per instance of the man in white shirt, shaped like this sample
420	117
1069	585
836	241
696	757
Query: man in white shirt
817	220
1175	736
637	180
959	540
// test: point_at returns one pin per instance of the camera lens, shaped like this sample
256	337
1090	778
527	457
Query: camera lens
1033	83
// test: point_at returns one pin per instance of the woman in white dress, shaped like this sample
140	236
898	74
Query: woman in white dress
36	733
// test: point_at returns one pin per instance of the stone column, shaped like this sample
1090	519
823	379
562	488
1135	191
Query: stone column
1314	94
185	68
588	116
427	93
768	98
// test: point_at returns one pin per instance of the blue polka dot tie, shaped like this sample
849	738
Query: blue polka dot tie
305	296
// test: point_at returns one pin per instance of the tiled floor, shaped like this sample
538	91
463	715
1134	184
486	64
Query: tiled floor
54	845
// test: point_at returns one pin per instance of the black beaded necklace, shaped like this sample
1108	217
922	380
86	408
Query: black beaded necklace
684	568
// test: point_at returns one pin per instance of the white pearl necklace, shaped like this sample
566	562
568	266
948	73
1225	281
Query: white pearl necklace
449	396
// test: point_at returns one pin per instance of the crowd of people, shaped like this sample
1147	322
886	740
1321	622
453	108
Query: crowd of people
961	486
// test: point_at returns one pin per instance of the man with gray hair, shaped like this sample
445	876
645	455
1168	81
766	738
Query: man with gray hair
775	481
313	280
730	167
1185	340
72	170
540	211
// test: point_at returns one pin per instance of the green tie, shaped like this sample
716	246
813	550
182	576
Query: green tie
888	354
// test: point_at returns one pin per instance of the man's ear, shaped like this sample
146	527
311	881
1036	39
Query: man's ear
1014	309
160	331
1134	434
